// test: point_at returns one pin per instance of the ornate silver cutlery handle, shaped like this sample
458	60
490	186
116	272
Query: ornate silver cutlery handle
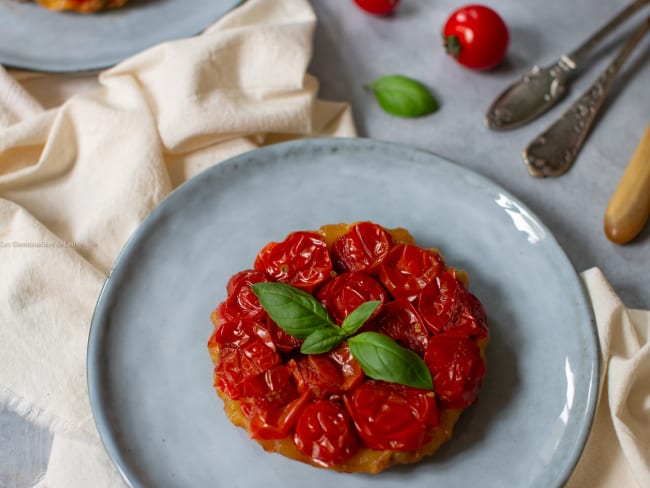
553	152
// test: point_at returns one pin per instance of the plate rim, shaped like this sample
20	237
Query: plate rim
100	62
93	368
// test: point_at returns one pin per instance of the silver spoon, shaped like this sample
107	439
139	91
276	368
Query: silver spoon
541	88
553	152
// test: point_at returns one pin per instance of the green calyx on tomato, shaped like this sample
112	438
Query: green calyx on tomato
299	314
452	45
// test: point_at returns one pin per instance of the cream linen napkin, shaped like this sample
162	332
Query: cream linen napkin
617	453
83	160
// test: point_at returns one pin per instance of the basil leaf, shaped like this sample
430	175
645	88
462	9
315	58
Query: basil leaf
381	358
295	311
322	340
402	96
359	316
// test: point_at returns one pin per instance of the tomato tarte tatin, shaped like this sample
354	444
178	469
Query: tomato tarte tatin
349	348
81	6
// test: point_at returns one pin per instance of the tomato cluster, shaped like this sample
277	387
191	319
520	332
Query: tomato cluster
325	402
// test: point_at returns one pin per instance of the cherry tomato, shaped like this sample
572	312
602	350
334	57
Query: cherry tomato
317	374
272	403
400	321
282	340
301	260
457	369
241	302
341	295
377	7
324	432
476	36
245	349
350	369
392	416
408	268
445	305
362	248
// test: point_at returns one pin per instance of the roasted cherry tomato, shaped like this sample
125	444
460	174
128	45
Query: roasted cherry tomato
317	374
272	403
445	305
407	269
241	302
350	369
341	295
362	248
245	349
400	321
377	7
457	369
476	36
301	260
325	433
392	416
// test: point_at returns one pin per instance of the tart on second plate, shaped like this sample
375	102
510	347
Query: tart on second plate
81	6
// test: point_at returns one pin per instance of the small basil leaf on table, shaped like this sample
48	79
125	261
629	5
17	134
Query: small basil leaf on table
403	96
359	316
295	311
382	358
322	340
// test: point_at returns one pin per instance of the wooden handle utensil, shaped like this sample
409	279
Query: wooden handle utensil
629	207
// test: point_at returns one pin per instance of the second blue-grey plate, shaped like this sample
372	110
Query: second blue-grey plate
150	376
35	38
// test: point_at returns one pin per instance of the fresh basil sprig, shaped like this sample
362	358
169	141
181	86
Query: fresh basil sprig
403	96
383	359
299	314
295	311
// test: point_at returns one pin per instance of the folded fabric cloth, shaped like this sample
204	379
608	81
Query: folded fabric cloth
618	449
83	160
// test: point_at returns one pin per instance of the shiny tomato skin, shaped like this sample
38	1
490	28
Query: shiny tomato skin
241	302
445	305
400	321
350	369
362	248
392	416
317	374
407	269
271	403
324	432
341	295
301	260
377	7
245	349
457	369
476	36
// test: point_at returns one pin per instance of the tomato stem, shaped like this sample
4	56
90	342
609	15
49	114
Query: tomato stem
452	45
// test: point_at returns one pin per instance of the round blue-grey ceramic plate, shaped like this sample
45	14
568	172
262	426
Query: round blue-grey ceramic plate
35	38
150	376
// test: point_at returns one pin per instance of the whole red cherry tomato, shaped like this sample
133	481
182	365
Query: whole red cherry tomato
341	295
317	374
476	36
301	260
377	7
362	248
392	416
457	369
408	268
324	432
